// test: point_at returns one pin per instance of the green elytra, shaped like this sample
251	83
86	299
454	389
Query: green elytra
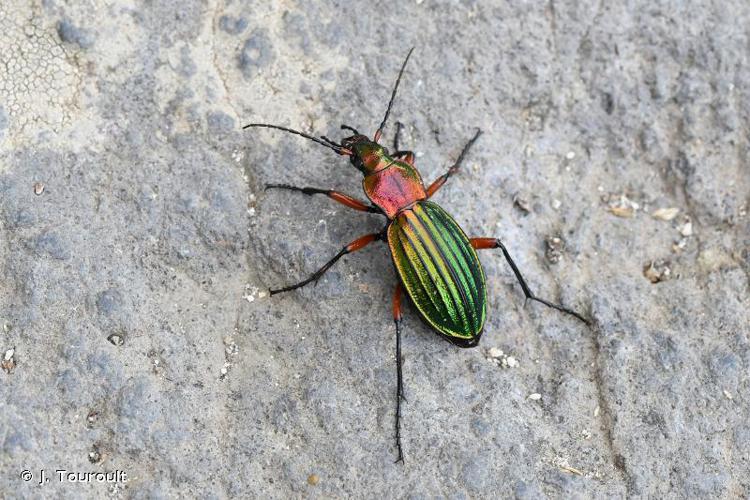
436	263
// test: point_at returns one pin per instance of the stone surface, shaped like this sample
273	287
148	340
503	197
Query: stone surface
134	286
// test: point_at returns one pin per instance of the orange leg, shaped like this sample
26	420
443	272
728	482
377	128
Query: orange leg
484	243
405	156
355	245
399	378
342	198
441	180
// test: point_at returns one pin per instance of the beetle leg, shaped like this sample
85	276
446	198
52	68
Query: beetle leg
406	156
355	245
347	127
482	243
397	135
399	377
342	198
441	180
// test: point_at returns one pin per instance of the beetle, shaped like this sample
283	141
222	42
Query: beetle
436	263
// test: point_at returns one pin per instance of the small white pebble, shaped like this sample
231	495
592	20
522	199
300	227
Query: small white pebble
728	395
511	361
495	352
535	397
556	204
666	213
687	229
261	294
570	155
9	354
596	411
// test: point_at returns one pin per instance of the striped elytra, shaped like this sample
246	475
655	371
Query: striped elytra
440	271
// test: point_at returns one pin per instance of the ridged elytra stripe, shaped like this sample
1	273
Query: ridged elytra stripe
447	268
447	244
431	288
453	301
468	254
464	256
437	278
430	239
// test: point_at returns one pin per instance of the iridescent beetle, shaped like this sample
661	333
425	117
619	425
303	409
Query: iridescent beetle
436	262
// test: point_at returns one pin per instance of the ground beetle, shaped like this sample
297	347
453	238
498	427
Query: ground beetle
436	262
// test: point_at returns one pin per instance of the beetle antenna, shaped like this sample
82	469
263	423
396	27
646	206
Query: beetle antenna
379	132
347	127
327	143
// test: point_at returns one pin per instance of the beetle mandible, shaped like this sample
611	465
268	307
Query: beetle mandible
436	263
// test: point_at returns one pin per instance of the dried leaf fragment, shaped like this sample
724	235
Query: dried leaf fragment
624	212
657	270
666	214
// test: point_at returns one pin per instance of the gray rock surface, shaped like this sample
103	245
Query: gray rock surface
137	246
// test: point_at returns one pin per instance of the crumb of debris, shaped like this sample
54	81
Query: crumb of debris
572	470
116	339
555	247
522	203
686	229
252	292
679	246
231	348
665	213
556	204
596	411
657	270
497	356
620	205
570	155
728	395
495	352
38	188
535	396
624	212
9	361
95	456
313	479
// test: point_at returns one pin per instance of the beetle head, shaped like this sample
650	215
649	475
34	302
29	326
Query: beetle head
366	154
